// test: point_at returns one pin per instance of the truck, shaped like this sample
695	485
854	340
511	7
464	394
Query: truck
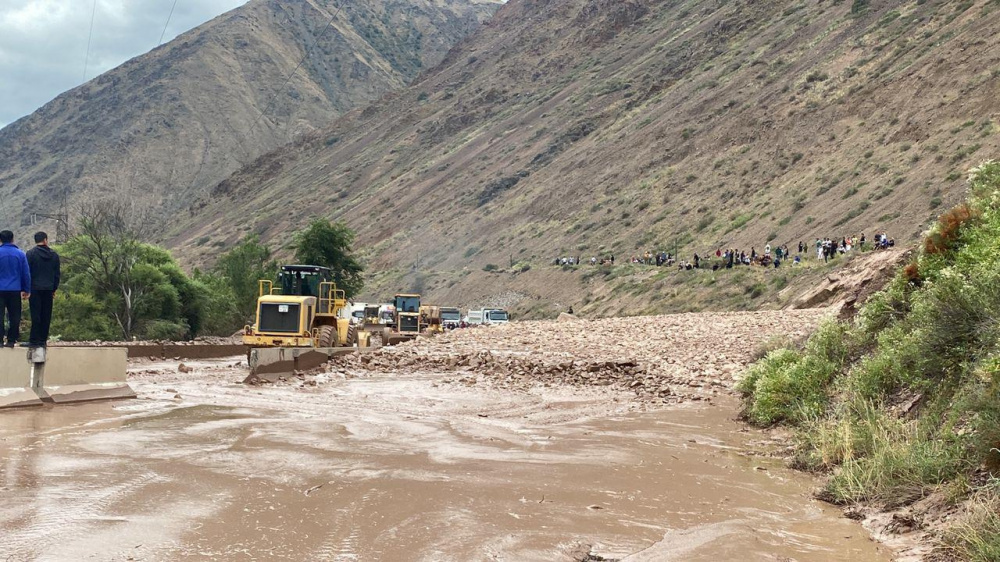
451	317
488	316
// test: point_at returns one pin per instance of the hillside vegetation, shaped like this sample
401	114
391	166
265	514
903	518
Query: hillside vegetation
904	401
169	125
592	127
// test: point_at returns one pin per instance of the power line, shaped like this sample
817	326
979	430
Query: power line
289	77
90	37
170	15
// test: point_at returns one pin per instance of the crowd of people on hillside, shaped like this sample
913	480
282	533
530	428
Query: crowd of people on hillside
771	256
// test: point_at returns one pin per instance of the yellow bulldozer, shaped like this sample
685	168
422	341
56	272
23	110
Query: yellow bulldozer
405	324
430	319
303	310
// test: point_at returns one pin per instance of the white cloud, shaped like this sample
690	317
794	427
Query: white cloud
43	43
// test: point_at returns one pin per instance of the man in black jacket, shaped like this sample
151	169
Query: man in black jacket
44	264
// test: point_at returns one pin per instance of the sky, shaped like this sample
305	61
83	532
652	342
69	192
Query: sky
43	43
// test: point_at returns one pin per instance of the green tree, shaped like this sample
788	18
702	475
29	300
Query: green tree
78	316
222	316
138	287
328	244
242	267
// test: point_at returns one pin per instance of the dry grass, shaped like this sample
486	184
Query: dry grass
977	537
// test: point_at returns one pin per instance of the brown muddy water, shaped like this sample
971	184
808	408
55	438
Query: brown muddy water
407	468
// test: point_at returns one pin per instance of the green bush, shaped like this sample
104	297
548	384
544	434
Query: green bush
79	316
789	386
165	330
930	339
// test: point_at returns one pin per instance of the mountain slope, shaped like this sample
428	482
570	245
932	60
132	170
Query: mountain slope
174	122
587	127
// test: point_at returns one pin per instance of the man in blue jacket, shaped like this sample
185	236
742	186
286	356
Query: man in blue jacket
15	284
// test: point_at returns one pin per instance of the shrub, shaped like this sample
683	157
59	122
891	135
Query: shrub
792	389
491	267
791	386
817	76
756	290
165	330
948	229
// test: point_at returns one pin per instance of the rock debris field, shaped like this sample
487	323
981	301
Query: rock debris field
671	359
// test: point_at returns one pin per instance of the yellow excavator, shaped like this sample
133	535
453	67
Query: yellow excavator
303	310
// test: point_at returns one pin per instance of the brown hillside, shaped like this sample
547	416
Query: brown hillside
586	127
174	122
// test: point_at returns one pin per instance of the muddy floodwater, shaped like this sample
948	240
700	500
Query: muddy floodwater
412	467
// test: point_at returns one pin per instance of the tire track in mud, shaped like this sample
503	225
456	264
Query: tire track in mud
346	549
68	514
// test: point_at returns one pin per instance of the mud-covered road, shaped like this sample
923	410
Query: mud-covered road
388	460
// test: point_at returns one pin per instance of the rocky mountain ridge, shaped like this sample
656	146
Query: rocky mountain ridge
596	127
169	125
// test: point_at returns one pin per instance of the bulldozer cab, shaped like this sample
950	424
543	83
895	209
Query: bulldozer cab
407	303
301	310
303	280
407	313
312	281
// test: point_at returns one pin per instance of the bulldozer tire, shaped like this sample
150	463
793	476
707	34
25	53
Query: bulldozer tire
327	336
352	336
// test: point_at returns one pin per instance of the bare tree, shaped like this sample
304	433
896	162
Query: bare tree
108	245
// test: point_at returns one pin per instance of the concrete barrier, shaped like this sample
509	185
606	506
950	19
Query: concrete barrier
203	351
79	374
183	351
15	380
268	364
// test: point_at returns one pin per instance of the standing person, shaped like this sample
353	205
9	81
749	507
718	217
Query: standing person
43	263
15	284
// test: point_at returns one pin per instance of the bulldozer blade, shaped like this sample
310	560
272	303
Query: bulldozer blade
396	339
268	364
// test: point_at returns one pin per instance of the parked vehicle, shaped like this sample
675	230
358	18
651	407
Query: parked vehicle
451	317
487	316
497	316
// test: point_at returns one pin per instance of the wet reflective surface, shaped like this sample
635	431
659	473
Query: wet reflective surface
397	468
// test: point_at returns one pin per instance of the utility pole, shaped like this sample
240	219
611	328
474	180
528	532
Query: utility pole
62	223
61	217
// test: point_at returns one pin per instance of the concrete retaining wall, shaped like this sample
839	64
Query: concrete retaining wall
171	350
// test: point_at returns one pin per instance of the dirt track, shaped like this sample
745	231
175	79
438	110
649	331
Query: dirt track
405	458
